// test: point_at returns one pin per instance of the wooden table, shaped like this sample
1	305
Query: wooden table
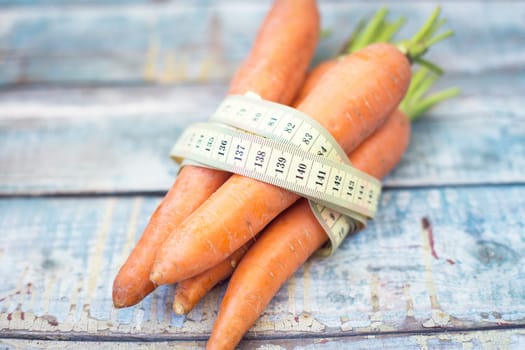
94	93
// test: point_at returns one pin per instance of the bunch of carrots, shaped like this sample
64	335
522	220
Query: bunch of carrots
212	224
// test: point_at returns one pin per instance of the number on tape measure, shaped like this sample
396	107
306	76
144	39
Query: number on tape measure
286	166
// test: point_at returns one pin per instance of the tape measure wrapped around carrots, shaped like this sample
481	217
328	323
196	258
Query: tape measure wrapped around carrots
290	239
274	68
281	146
355	100
350	101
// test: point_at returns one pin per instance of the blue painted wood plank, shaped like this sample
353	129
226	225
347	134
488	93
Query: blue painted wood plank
118	139
511	339
434	259
27	3
174	41
97	155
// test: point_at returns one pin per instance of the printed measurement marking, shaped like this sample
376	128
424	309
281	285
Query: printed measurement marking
282	146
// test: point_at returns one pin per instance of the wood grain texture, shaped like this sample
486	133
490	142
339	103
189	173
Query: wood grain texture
169	42
92	96
92	140
460	268
513	339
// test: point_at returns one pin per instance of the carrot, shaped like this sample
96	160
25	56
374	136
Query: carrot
376	30
282	52
190	291
351	100
313	78
296	234
274	69
284	246
132	284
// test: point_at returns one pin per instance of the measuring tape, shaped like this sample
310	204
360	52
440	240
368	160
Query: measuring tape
282	146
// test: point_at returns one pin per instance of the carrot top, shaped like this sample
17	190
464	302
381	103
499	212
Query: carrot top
417	100
378	29
415	47
375	30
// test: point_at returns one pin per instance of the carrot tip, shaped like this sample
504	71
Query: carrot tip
179	309
118	304
155	277
119	298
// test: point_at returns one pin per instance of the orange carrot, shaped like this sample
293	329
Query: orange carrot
294	236
351	100
189	292
274	69
282	52
192	187
313	78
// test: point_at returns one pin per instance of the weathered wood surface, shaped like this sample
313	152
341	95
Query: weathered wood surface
513	339
118	139
108	85
173	41
395	276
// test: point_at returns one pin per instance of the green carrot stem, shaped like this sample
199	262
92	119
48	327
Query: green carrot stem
440	37
429	65
345	49
390	30
415	47
370	30
425	104
378	29
438	25
427	26
417	78
423	88
325	33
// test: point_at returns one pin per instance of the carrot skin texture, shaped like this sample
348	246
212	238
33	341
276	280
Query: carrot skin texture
256	280
274	69
189	292
379	154
132	282
286	43
313	78
293	237
352	100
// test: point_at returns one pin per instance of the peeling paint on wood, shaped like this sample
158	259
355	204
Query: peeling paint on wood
473	340
382	279
441	267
